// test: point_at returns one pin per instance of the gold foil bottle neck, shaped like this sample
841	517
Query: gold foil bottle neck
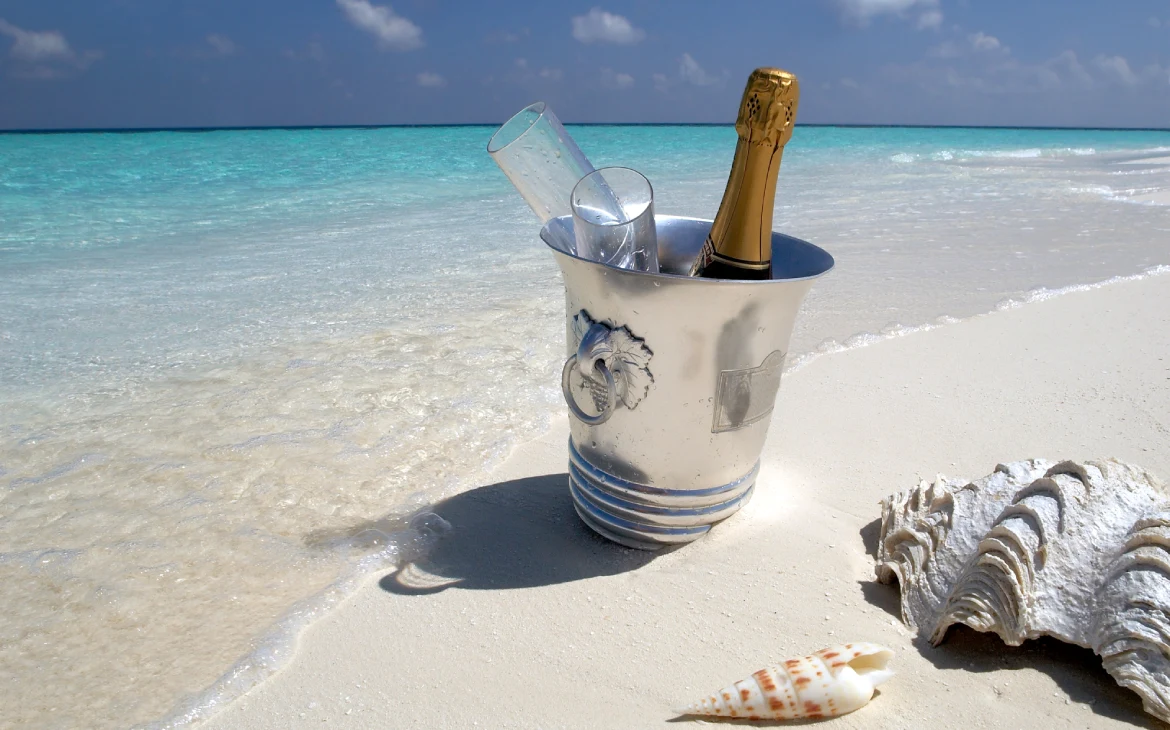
767	112
739	245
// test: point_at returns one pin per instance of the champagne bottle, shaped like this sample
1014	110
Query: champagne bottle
739	245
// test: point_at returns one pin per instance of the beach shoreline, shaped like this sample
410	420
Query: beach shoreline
520	617
214	424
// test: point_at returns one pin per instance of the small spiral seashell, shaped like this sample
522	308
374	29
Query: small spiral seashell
831	682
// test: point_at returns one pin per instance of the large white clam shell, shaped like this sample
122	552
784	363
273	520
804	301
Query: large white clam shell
831	682
1076	550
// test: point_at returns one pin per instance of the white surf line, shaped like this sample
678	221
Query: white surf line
865	339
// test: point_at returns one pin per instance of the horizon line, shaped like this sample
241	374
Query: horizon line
279	127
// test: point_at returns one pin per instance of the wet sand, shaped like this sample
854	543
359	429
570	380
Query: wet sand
521	617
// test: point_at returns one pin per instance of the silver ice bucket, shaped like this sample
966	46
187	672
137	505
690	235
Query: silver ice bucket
671	381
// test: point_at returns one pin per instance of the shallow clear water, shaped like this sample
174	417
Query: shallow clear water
230	360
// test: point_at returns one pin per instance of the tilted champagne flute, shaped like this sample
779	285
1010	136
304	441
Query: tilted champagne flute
544	164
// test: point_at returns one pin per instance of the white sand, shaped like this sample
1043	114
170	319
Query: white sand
551	627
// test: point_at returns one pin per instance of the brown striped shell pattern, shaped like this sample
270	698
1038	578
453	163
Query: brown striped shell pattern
831	682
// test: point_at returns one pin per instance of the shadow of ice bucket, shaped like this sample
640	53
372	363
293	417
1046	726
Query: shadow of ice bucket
671	381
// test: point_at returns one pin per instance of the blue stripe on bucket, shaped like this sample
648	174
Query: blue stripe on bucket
645	493
598	494
634	529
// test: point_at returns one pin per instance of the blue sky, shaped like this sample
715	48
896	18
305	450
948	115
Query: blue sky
173	63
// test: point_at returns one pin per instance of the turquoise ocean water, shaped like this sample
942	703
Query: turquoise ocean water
232	362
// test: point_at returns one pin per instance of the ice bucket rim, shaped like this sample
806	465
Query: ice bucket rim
777	237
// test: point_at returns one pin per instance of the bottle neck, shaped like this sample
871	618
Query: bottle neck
741	235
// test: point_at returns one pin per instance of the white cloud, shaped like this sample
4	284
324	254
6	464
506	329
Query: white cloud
598	26
861	12
615	79
43	54
1067	67
221	44
691	72
982	42
1001	73
393	31
849	83
1118	67
431	80
35	46
1154	22
976	42
551	74
931	19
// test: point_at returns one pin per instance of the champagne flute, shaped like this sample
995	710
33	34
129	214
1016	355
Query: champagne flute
613	219
540	158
